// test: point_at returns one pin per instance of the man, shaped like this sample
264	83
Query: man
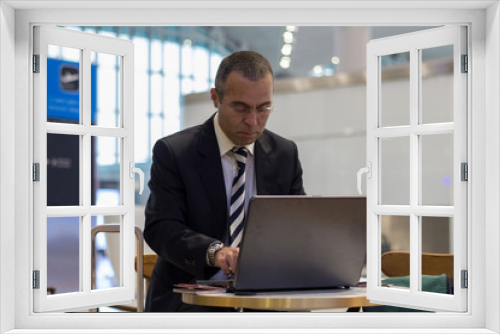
203	177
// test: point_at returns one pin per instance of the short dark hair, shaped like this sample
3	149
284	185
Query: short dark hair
252	65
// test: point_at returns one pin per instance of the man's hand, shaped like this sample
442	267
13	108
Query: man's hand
226	258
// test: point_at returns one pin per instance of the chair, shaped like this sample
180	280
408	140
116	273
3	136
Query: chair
437	275
397	263
149	261
143	268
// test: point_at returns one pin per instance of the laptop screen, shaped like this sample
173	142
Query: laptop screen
302	242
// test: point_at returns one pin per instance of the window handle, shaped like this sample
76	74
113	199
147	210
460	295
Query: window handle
139	171
365	170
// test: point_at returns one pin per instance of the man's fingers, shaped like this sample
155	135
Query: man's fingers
226	259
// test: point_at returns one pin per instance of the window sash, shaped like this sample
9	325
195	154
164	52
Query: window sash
412	43
86	297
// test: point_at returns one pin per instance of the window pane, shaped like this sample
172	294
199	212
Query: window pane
395	236
107	254
106	171
395	93
63	170
63	255
437	253
171	59
172	106
63	85
107	88
437	169
156	128
395	170
437	84
156	55
187	60
187	86
215	60
156	94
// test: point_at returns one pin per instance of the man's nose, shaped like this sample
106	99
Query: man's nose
251	118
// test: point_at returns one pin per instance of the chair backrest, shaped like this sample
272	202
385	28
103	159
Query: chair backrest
397	263
149	264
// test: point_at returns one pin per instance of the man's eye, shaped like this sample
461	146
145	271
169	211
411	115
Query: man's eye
241	109
265	109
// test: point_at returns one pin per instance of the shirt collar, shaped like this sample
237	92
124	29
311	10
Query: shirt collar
225	144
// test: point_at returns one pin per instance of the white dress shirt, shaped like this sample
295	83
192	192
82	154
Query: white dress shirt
230	170
229	165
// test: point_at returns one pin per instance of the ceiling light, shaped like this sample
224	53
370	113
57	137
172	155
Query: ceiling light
317	69
286	49
285	62
335	60
291	28
288	37
187	42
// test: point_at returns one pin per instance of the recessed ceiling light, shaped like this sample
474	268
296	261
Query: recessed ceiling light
187	42
286	49
291	28
335	60
288	37
318	69
285	62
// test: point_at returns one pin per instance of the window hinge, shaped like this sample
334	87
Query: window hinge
36	172
465	171
465	64
36	279
36	63
465	279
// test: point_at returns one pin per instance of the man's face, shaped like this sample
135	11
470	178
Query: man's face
245	107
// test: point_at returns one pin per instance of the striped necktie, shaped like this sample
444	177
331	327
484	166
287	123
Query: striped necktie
237	205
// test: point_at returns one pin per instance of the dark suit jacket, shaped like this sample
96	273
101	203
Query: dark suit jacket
187	208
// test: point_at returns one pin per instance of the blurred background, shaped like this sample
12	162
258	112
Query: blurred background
320	103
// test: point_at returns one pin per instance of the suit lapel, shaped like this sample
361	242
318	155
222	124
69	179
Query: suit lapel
264	165
210	170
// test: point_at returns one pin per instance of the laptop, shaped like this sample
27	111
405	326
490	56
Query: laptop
301	242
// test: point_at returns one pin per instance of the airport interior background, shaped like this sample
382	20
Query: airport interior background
320	103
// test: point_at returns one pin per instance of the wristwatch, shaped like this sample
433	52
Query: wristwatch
212	249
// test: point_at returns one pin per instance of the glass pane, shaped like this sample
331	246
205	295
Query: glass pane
395	237
106	171
63	255
63	84
156	128
395	170
437	254
63	170
437	84
395	90
156	94
107	254
437	169
171	58
106	85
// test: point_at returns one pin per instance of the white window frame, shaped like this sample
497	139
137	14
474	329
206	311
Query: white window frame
415	210
87	43
484	145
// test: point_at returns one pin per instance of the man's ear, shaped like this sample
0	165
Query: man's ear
214	97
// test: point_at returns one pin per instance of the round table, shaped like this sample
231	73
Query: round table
283	301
